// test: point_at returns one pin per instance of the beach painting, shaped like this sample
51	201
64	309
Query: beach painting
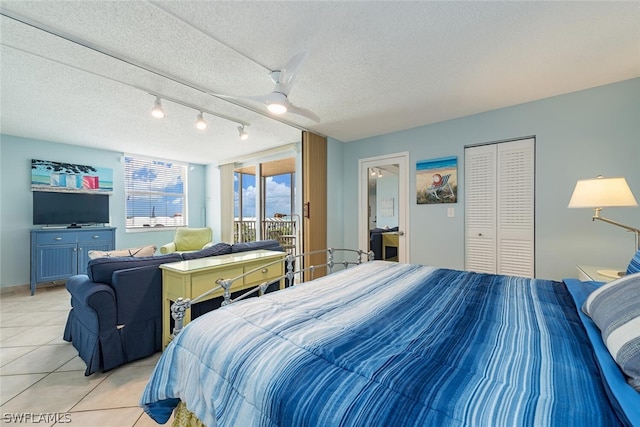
437	181
70	177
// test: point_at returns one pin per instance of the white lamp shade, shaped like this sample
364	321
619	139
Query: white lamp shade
602	192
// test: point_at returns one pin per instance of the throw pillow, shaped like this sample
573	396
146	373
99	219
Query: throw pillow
615	309
149	250
634	265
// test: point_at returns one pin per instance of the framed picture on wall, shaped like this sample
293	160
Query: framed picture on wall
70	177
437	181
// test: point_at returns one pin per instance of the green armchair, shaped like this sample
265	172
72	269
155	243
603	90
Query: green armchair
189	240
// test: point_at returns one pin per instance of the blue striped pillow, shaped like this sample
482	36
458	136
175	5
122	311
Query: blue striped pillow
634	265
615	309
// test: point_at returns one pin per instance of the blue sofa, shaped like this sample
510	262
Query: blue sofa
116	308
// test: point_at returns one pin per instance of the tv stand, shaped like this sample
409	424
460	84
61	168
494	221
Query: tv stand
57	254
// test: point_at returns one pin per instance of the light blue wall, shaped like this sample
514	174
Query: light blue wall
16	202
387	188
335	204
578	135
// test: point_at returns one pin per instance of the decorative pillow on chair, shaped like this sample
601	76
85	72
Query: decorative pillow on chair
634	265
191	239
615	309
149	250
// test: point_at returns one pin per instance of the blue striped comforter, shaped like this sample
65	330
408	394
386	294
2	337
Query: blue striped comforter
387	344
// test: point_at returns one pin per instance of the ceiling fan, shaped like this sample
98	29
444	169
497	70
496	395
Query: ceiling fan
277	101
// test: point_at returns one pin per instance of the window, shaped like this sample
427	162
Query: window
156	193
276	199
278	194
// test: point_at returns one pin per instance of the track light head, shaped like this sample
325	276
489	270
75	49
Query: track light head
243	134
200	122
157	110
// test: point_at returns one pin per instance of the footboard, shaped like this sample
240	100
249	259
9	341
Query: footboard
292	274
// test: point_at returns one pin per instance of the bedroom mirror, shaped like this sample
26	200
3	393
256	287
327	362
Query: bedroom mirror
383	207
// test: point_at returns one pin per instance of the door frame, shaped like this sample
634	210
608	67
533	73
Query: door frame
402	160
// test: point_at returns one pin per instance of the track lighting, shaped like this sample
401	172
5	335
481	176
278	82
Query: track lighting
243	134
157	110
200	123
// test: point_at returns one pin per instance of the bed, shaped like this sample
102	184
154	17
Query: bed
388	344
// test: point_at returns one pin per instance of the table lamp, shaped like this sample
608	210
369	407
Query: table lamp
598	193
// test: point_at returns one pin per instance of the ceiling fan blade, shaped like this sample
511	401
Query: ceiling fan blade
289	71
303	112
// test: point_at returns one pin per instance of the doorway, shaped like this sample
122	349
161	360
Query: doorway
384	206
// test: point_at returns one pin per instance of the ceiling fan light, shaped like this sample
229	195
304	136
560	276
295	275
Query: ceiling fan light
277	108
277	103
157	110
200	122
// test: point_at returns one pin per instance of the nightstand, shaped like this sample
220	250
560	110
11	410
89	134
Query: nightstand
592	273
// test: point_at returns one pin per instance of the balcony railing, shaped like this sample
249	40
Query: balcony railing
282	230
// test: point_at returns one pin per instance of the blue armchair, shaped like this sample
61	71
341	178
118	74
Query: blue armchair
116	310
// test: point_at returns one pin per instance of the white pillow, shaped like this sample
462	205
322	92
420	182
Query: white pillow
149	250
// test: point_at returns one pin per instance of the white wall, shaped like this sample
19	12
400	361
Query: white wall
578	135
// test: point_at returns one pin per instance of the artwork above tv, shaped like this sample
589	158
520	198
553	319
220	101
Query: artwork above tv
70	209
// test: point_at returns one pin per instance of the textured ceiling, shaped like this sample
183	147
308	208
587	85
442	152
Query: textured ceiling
82	72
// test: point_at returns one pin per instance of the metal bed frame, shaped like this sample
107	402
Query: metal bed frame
181	305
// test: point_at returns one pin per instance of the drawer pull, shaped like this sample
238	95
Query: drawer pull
96	237
57	238
265	270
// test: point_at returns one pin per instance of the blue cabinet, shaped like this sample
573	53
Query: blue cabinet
61	253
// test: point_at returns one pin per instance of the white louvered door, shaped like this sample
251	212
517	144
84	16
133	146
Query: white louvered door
499	209
515	211
480	208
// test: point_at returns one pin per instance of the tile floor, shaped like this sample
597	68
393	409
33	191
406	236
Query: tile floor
41	375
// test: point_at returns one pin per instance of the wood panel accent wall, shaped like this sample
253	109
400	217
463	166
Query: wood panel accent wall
314	200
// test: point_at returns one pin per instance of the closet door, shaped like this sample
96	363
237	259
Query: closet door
515	209
480	208
499	208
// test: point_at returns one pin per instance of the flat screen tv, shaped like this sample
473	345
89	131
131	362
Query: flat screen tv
70	209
